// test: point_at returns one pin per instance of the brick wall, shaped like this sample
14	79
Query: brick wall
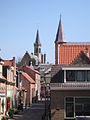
56	53
37	79
57	102
26	85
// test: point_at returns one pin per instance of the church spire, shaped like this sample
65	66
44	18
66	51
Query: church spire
60	38
37	38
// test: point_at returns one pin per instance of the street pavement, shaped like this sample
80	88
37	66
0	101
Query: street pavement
35	112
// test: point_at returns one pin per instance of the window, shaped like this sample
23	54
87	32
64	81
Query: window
80	75
39	50
36	50
76	75
88	75
82	106
69	107
70	75
77	106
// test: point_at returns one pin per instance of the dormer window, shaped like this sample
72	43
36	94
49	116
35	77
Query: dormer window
77	75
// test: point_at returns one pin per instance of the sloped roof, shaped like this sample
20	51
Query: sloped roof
60	37
57	71
27	58
37	38
32	69
82	58
8	63
69	52
28	77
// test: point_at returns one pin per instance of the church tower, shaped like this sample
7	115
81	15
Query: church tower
60	39
37	47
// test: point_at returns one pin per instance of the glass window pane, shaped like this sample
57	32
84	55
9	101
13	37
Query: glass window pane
82	106
80	76
70	75
69	110
88	75
69	107
69	99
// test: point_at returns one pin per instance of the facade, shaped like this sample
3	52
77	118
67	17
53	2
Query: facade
35	75
3	82
70	79
29	85
38	50
45	77
9	72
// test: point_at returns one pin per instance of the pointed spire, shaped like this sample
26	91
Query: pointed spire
60	38
37	38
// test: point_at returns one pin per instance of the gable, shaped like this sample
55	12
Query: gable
57	75
25	60
81	59
68	52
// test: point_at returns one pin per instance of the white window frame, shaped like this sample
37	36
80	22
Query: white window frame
74	105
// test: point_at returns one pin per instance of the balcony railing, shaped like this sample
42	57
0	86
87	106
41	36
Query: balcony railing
73	85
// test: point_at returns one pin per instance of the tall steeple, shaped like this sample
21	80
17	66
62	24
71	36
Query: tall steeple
37	38
60	38
37	46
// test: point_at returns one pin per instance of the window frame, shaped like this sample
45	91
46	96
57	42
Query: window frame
74	97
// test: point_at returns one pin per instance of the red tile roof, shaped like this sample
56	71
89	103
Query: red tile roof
29	68
8	63
69	52
32	69
28	77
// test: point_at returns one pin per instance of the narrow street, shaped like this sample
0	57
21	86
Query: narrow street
33	113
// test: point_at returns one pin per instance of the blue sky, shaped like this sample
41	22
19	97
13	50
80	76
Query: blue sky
19	20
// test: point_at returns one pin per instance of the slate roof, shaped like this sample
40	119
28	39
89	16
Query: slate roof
37	38
60	37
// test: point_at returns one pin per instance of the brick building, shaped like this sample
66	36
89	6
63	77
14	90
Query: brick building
27	88
3	82
70	79
35	75
9	72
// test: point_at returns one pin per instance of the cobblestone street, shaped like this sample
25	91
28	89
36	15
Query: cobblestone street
33	113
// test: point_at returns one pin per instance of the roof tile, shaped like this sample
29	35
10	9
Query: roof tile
68	52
